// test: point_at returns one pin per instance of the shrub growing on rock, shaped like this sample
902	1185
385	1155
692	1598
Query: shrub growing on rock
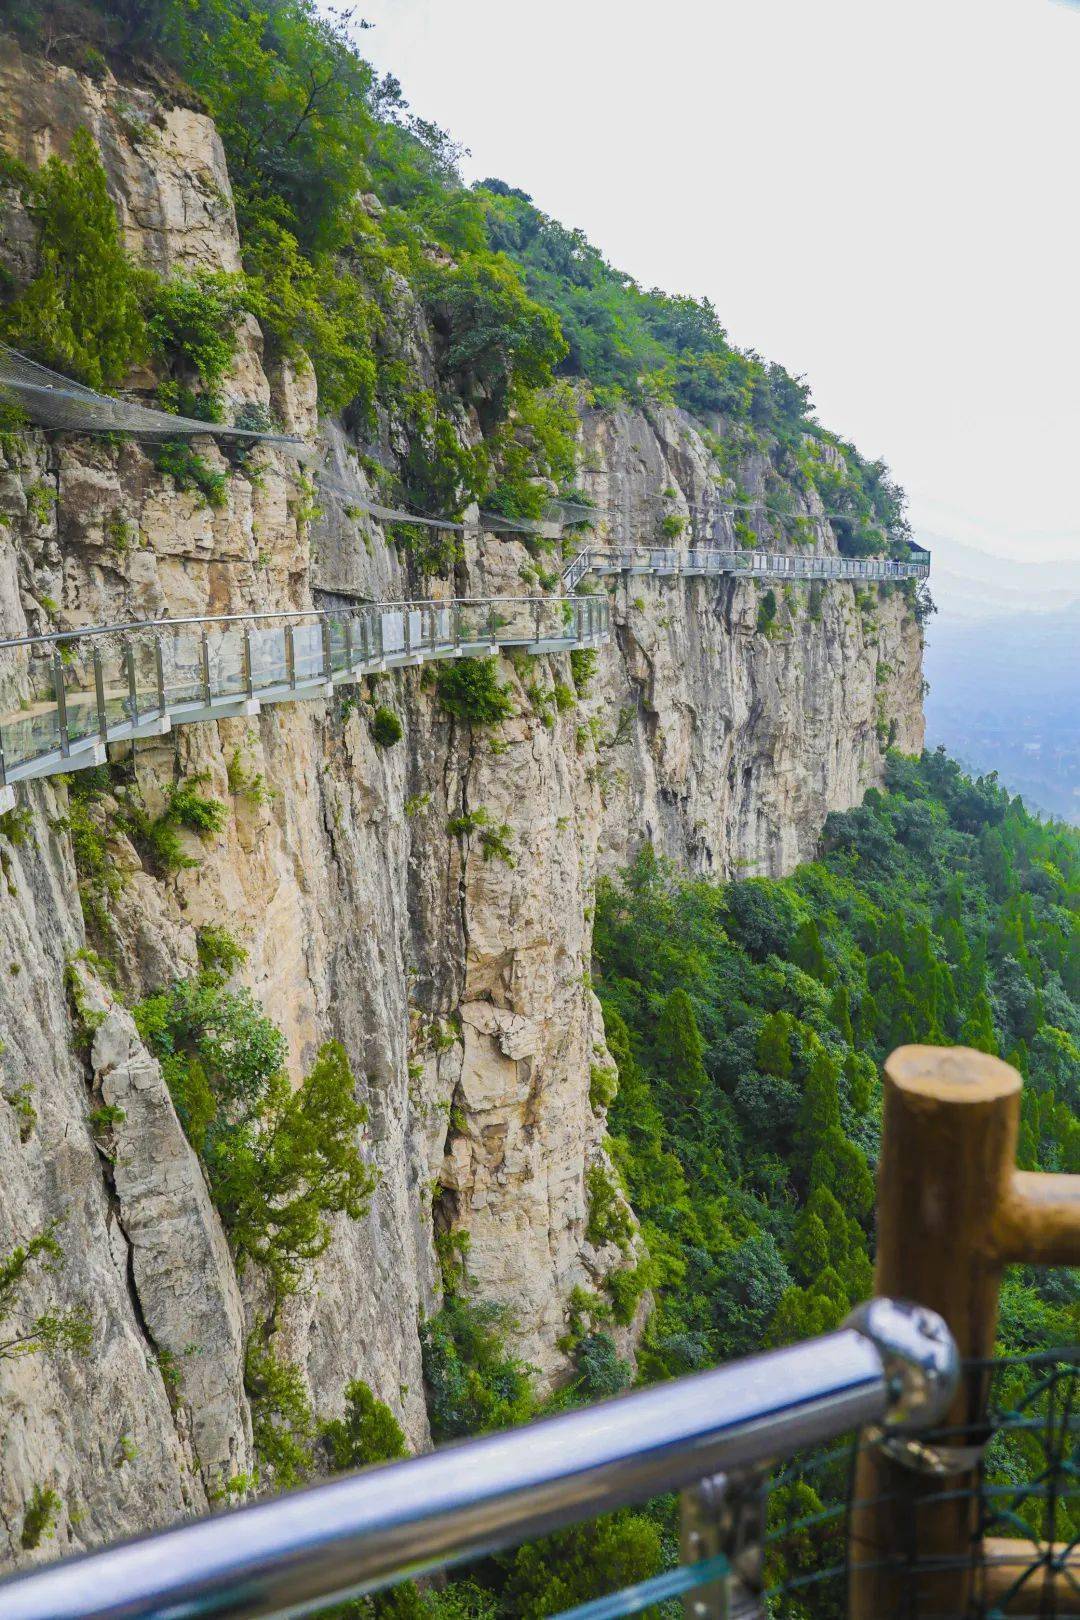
470	689
279	1162
82	311
385	727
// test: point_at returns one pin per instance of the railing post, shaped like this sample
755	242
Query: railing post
327	651
290	656
99	699
205	650
159	669
249	685
133	690
953	1210
61	702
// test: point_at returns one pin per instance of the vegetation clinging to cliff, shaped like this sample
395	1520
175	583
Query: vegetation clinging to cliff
279	1163
343	195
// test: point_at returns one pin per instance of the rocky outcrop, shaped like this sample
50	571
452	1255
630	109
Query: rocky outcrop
454	972
181	1272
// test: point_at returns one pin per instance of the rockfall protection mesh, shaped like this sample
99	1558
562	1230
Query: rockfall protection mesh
47	399
328	483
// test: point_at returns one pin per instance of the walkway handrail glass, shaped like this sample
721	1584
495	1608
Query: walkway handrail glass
64	696
71	692
709	1435
758	564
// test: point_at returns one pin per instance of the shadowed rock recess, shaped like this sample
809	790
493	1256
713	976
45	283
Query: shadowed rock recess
426	902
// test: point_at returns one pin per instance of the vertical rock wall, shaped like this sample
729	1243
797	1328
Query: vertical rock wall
456	979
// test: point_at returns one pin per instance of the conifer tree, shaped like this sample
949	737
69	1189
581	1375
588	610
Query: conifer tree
978	1030
773	1054
820	1110
840	1014
679	1047
809	953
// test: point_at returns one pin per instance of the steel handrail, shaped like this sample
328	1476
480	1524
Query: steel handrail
714	560
135	626
892	1365
230	664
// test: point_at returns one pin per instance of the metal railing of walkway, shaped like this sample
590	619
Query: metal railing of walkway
710	1435
80	689
70	693
702	560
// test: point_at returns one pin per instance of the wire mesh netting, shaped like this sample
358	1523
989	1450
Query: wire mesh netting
1016	1488
47	399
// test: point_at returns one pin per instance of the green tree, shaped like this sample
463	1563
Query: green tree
279	1163
809	952
978	1027
820	1110
679	1047
773	1055
368	1433
840	1014
82	312
586	1562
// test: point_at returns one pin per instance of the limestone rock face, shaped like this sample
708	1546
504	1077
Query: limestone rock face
180	1264
95	1428
453	968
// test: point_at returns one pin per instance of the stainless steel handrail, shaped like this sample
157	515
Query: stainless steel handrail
893	1365
781	565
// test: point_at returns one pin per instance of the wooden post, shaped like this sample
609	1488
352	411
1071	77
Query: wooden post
952	1211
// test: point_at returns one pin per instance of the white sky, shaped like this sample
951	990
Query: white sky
883	197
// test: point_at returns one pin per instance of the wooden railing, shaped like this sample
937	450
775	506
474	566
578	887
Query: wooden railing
953	1212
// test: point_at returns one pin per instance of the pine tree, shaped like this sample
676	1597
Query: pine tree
809	953
679	1047
368	1433
978	1030
773	1054
840	1166
840	1014
820	1110
860	1074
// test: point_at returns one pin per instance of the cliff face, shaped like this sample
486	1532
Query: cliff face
456	981
733	745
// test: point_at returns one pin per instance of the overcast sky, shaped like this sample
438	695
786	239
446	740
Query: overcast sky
882	197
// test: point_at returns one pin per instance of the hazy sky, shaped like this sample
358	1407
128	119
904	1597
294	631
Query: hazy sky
883	197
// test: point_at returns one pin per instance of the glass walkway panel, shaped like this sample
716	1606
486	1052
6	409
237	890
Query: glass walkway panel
64	696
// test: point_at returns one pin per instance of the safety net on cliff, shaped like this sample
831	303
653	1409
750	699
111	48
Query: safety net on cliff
47	399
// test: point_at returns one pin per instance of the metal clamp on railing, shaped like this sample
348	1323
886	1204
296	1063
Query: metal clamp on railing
709	1435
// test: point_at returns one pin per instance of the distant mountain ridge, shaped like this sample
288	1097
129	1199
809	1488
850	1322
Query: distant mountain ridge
969	584
1005	681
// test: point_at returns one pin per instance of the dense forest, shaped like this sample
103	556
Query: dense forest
345	197
749	1023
